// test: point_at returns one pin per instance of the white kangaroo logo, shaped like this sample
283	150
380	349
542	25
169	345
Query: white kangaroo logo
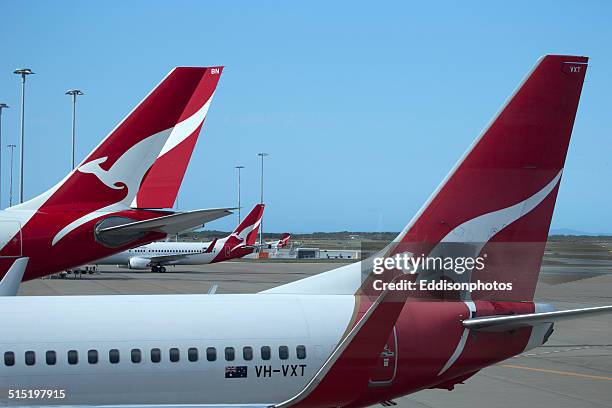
129	169
242	235
106	177
126	173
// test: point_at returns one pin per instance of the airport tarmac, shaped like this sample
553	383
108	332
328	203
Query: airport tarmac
574	369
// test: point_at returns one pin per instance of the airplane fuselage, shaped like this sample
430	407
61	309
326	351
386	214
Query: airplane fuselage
187	253
228	349
38	236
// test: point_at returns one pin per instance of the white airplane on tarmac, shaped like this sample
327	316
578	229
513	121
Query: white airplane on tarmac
333	339
158	255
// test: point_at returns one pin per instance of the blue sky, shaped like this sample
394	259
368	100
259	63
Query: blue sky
348	98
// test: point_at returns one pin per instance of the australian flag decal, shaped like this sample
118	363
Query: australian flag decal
236	372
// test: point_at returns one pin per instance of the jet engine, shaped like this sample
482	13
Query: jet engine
138	263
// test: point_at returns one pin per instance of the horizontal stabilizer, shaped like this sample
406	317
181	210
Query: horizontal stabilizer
169	224
10	282
506	323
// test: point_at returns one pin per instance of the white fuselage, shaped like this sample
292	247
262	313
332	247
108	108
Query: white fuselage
140	324
194	253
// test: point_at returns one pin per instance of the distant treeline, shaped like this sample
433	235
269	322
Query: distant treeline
340	235
356	236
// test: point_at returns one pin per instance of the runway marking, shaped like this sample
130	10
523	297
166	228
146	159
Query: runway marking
568	373
560	351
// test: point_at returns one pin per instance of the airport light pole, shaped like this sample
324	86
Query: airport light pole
239	168
12	147
2	106
24	72
74	93
262	155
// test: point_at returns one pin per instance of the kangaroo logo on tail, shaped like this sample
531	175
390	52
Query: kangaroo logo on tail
106	177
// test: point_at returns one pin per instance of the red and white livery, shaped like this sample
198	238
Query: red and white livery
328	340
114	199
157	255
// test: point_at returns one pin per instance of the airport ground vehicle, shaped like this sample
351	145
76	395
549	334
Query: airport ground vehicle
119	196
334	339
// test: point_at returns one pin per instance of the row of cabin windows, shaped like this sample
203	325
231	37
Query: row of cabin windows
174	355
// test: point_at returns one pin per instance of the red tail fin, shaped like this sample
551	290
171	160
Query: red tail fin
499	198
115	170
497	202
162	182
284	240
246	232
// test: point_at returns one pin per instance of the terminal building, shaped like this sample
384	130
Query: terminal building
313	253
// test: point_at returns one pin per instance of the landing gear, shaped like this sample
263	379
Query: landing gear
158	269
162	269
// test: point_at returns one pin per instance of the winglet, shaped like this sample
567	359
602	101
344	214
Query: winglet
10	282
211	246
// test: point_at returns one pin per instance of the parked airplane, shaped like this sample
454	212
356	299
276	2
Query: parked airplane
115	198
329	340
158	255
281	243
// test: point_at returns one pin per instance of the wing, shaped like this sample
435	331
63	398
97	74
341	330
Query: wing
169	224
507	323
163	259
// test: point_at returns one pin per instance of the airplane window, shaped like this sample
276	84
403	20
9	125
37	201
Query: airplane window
211	354
30	358
136	356
50	357
229	354
113	356
9	358
192	354
301	352
155	355
247	353
73	357
92	356
174	355
283	352
265	353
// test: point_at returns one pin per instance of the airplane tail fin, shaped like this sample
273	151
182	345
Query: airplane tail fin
161	129
163	180
247	230
284	240
488	221
245	233
496	204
